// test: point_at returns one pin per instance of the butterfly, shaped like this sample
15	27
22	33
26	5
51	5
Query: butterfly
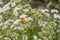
23	21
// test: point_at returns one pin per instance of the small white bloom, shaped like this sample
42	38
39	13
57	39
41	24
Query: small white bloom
20	28
26	10
1	24
16	22
6	22
0	18
6	38
4	27
15	13
58	16
47	14
12	26
55	15
54	11
58	30
28	19
13	4
44	10
23	16
45	38
39	39
49	4
1	10
5	8
35	37
7	4
25	37
10	20
18	8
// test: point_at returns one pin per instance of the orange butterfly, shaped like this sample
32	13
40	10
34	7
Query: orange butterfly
23	21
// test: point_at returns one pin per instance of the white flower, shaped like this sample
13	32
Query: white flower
16	22
42	23
44	10
0	18
7	21
55	15
26	10
13	4
1	10
28	19
12	26
23	16
39	39
19	28
49	4
25	37
17	8
1	24
4	27
7	4
47	14
7	38
15	13
5	7
45	38
10	20
54	11
35	37
58	30
58	16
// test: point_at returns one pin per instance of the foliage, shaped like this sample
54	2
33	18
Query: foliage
44	26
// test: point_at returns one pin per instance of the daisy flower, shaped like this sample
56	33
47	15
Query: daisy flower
54	11
26	10
13	3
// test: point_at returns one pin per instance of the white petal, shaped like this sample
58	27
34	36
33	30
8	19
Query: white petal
1	24
58	16
15	13
49	4
55	15
35	37
46	10
29	18
13	4
26	10
54	11
23	16
16	22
